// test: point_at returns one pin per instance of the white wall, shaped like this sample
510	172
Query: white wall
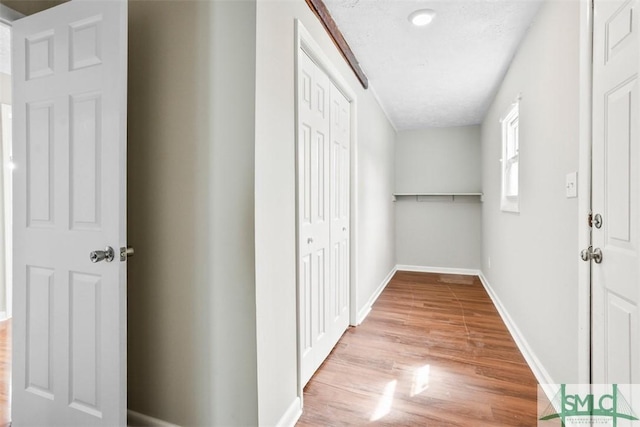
534	254
439	232
191	337
376	211
275	197
5	88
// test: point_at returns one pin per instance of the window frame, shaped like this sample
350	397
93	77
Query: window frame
510	124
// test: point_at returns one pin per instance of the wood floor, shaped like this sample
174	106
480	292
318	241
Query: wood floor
432	352
5	372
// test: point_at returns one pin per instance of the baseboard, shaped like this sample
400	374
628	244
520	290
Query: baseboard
3	316
364	312
136	419
290	418
541	374
439	270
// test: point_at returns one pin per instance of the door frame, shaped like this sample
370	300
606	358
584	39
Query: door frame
7	16
585	121
305	42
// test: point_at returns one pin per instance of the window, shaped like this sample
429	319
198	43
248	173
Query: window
510	160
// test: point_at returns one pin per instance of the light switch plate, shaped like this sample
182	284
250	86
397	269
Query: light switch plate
572	185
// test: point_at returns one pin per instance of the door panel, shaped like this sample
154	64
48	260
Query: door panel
616	191
39	328
340	181
69	339
313	228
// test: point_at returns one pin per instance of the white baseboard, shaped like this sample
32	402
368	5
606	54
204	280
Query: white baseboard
439	270
364	312
136	419
290	418
3	316
541	374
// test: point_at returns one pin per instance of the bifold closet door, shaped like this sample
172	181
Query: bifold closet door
323	214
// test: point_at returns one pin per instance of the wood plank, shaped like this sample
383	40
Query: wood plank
5	373
318	7
439	344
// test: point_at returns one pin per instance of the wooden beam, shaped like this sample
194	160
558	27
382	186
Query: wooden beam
318	7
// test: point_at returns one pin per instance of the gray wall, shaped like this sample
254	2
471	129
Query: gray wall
212	297
275	197
534	254
439	232
191	337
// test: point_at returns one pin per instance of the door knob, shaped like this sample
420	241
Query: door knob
597	221
591	254
596	255
106	255
585	254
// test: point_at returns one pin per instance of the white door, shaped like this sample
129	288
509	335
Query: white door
321	297
616	192
69	345
339	207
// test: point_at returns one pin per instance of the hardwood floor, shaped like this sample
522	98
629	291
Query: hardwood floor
5	373
432	352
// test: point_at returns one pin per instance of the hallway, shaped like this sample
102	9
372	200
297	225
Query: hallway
433	351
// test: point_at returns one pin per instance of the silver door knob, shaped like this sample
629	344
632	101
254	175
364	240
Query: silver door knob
597	221
585	254
106	255
591	254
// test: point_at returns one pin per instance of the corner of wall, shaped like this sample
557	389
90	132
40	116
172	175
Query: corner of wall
366	309
292	415
536	366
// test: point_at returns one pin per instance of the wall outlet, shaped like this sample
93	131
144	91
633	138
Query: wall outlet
571	185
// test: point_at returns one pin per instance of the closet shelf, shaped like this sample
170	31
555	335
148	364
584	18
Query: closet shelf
452	195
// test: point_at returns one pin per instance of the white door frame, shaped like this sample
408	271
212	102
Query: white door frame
304	41
7	16
584	189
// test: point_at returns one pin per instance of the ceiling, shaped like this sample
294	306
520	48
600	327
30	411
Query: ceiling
444	74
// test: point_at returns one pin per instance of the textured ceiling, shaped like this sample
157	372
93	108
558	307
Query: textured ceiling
444	74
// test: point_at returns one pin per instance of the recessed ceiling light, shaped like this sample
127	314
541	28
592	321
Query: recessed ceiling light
422	17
